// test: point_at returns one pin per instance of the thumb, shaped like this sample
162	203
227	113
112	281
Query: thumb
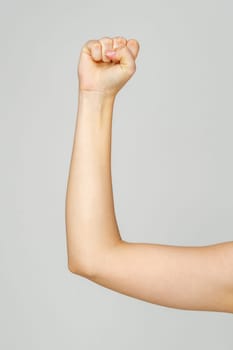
134	47
122	55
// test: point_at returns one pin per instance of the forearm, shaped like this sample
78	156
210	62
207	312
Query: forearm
91	225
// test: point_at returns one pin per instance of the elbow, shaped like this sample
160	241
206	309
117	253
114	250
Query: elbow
73	269
81	268
79	261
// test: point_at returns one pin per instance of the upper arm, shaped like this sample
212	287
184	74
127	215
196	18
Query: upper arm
194	278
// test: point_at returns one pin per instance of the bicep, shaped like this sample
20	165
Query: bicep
193	278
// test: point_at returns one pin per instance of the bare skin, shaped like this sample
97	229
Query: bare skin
191	278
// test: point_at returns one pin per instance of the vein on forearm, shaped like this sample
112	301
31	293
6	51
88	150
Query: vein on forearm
90	214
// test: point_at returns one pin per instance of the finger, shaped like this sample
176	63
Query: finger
93	49
106	44
119	41
87	47
96	51
124	56
134	47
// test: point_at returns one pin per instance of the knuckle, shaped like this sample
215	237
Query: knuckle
120	37
89	44
120	41
96	45
106	40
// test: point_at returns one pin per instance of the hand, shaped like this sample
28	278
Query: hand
99	71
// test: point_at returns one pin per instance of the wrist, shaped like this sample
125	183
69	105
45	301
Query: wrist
95	102
97	95
95	105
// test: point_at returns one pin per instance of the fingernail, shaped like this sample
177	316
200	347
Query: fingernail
110	53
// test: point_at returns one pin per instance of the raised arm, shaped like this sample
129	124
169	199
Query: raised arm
192	278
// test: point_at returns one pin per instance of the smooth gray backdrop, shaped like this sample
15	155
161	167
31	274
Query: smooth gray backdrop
171	166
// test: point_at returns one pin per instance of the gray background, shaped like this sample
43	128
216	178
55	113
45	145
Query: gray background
171	165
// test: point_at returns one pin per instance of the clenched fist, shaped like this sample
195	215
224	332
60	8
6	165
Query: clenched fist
105	65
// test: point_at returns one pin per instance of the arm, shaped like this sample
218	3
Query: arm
194	278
